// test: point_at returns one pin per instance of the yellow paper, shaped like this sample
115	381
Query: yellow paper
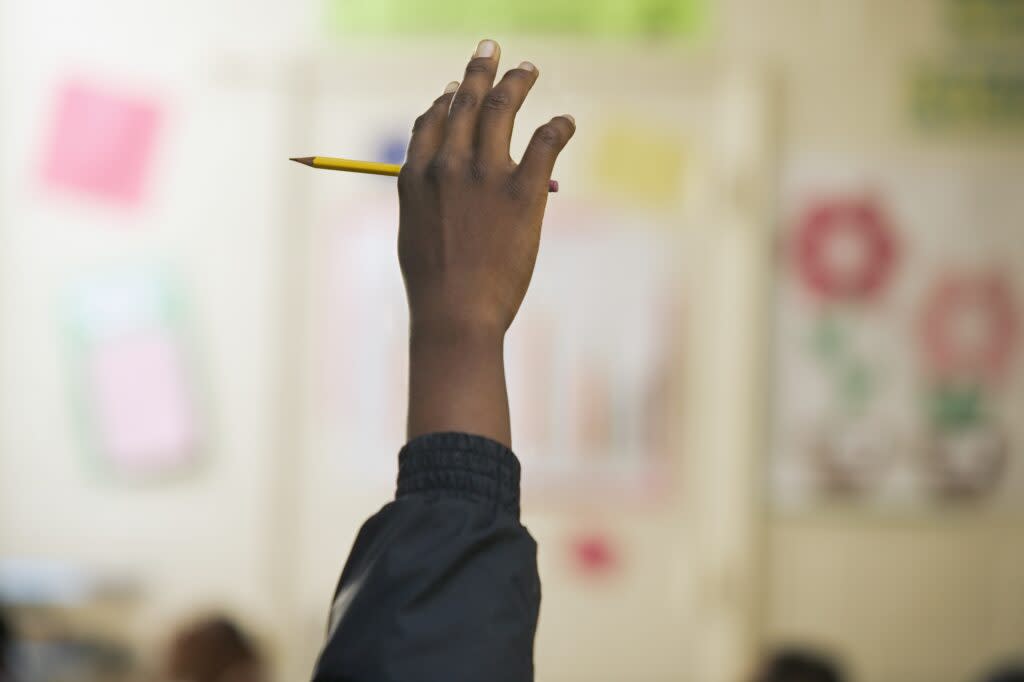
640	163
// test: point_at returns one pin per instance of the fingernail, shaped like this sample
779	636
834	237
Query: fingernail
451	87
571	119
527	66
486	48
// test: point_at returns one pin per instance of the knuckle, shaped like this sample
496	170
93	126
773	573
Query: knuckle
514	188
498	100
421	120
435	169
549	135
464	99
479	65
407	178
441	167
477	170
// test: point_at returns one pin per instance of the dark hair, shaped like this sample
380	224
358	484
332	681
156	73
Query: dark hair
1009	673
6	640
208	649
800	665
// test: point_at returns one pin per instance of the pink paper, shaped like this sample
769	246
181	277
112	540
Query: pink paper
101	143
144	417
594	555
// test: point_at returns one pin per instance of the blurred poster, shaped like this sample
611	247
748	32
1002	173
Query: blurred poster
101	142
989	22
581	17
592	361
975	80
968	93
636	161
899	373
132	385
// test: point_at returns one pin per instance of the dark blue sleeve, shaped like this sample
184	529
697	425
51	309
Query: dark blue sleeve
441	584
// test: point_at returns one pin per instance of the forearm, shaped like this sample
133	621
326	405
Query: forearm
457	383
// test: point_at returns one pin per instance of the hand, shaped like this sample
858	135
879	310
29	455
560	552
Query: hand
467	243
470	216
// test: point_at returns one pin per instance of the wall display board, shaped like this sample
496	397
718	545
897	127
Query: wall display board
130	375
899	369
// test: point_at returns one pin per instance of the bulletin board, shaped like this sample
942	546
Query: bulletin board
899	379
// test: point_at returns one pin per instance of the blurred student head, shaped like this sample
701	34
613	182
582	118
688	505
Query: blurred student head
799	665
1006	673
6	640
213	650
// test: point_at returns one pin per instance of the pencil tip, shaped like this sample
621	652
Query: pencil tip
308	160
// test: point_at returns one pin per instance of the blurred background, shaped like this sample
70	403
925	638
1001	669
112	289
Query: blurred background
767	386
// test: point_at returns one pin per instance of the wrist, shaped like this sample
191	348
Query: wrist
456	335
457	380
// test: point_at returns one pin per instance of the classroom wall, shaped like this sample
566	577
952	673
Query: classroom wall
261	530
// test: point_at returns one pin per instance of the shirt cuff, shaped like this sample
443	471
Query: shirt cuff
460	465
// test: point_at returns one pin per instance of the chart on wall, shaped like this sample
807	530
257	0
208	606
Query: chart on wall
899	372
591	363
132	382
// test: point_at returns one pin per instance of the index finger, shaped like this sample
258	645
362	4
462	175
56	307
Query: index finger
428	130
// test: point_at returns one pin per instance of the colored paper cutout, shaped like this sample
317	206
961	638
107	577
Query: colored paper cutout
143	416
133	385
953	408
594	555
640	163
967	462
101	142
986	22
853	379
845	249
684	18
970	326
852	455
392	149
973	95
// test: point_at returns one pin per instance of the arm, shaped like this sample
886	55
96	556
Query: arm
468	240
442	583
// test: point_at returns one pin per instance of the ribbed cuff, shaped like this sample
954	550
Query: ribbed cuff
461	464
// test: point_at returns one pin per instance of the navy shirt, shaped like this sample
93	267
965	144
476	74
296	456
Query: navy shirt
441	584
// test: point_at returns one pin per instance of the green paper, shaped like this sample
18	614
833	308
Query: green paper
487	17
956	407
857	385
986	22
968	95
828	339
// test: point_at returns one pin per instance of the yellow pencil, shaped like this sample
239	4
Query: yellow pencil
372	167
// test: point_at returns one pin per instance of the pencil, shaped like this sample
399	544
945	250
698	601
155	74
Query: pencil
372	167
